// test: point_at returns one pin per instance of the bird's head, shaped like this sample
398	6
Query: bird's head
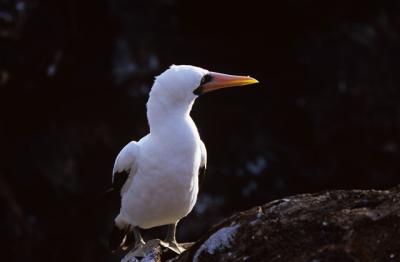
186	83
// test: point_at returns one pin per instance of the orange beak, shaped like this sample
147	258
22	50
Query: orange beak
219	81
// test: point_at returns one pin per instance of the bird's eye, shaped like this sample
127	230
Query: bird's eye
206	78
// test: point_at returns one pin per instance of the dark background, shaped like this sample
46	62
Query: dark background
74	79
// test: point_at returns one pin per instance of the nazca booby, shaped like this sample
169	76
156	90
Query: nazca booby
157	177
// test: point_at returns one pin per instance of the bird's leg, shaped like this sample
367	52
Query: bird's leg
171	233
170	240
138	237
117	237
133	237
141	248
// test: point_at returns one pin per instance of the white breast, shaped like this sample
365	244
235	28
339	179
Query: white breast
164	188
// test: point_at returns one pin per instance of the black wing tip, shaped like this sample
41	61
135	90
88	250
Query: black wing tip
120	179
112	196
108	191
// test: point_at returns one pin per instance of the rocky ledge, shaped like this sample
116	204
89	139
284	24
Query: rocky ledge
332	226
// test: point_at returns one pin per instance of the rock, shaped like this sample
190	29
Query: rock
153	256
357	225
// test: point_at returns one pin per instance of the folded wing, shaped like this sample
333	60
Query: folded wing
124	169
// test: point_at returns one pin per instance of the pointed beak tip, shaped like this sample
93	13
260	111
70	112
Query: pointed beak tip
256	81
252	80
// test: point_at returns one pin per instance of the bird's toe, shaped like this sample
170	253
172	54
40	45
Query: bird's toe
175	246
142	249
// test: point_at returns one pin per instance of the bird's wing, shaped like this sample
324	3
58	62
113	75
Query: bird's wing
203	163
124	166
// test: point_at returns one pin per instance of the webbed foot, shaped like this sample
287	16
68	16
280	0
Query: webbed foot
175	246
143	249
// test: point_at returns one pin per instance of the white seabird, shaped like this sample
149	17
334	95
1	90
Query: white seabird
157	177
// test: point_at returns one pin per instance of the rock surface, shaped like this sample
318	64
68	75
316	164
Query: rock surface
357	225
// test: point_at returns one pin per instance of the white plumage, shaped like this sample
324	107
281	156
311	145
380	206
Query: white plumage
163	167
163	188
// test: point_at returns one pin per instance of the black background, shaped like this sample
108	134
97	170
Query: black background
74	78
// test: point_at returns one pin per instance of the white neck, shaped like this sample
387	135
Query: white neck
163	113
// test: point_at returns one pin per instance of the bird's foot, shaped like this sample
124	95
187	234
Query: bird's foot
142	249
174	246
148	250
